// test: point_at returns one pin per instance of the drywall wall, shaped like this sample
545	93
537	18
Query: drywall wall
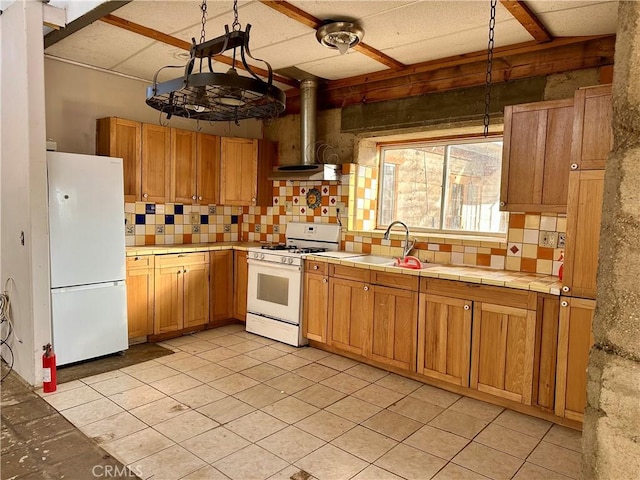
76	96
24	258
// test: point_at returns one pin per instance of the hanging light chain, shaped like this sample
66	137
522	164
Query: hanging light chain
203	7
487	88
235	26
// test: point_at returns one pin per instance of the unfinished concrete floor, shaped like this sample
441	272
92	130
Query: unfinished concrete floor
39	443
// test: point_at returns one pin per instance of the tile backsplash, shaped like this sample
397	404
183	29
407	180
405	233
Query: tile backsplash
351	201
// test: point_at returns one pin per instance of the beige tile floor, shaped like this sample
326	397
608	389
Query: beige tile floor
229	404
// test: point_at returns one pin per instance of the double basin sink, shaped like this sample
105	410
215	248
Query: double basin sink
385	261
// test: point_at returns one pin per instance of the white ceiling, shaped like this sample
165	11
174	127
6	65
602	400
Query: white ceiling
408	31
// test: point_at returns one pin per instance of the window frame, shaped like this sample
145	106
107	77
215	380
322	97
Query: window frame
445	141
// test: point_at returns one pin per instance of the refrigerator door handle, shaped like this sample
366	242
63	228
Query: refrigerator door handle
90	286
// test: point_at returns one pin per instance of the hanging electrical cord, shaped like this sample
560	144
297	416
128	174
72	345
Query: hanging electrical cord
487	87
5	312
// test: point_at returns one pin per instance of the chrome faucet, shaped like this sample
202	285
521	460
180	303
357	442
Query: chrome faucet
408	246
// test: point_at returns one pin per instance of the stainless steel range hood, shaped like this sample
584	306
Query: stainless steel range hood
314	172
307	169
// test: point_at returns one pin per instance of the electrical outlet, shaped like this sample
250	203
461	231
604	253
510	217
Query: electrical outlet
288	206
548	239
341	206
562	237
129	219
194	217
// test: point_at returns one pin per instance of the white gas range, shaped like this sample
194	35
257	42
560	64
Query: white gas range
274	293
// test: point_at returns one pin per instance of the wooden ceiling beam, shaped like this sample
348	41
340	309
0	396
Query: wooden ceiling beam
594	52
310	21
532	24
176	42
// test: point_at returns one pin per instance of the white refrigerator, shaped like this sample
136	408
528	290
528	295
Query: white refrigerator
87	247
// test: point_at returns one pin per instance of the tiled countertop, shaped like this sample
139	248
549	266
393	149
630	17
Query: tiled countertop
186	248
487	276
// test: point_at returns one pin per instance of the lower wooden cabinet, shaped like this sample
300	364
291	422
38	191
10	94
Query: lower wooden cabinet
575	339
393	327
444	338
181	293
140	296
221	285
503	346
315	302
240	280
349	307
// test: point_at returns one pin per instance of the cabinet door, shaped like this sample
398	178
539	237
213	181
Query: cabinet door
592	134
267	158
221	285
183	166
240	279
536	156
584	214
239	162
315	307
208	169
140	296
503	351
117	137
156	163
544	372
196	294
574	342
394	329
349	315
444	338
168	299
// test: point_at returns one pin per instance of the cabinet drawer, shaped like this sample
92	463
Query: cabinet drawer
181	259
350	273
395	280
509	297
314	266
140	261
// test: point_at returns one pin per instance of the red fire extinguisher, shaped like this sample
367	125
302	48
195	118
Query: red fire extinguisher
48	369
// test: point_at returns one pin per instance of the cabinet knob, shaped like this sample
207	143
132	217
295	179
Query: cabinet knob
566	288
136	258
253	200
200	198
467	307
574	166
184	271
366	288
564	303
315	267
502	204
193	197
324	280
145	195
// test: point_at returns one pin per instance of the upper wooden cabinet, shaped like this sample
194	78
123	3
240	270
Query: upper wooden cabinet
536	156
156	163
592	134
117	137
244	168
183	166
584	215
208	168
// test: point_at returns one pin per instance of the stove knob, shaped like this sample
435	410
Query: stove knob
256	254
283	259
289	261
262	256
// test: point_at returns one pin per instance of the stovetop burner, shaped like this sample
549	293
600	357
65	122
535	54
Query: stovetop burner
279	246
310	250
293	248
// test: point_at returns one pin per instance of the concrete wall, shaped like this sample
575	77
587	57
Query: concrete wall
440	113
24	265
76	96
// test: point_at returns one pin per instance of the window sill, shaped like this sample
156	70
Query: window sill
441	238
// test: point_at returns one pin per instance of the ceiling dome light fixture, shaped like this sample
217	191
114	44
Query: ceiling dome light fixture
211	96
340	35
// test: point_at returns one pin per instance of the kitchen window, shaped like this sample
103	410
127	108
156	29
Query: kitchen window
451	186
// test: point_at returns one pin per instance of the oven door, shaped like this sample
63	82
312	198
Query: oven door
275	290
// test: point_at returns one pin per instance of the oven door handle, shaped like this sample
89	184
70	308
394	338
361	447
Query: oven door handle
277	266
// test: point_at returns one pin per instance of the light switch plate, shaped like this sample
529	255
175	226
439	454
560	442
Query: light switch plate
194	218
562	237
288	206
548	239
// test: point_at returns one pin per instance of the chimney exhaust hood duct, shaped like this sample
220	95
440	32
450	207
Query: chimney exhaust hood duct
307	169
